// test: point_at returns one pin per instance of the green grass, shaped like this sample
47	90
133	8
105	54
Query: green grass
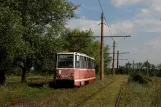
21	93
13	79
137	95
31	78
50	97
17	92
106	97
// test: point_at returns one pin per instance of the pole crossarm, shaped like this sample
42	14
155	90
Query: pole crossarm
118	59
120	53
113	36
121	59
100	36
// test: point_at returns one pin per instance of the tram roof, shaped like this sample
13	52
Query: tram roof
76	53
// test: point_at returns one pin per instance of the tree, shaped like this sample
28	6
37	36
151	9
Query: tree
37	18
107	59
159	67
128	66
10	38
77	41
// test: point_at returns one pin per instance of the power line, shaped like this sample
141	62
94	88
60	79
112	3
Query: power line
107	23
100	6
109	29
116	29
94	26
120	40
105	18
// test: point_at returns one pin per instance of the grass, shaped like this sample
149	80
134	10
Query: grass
31	78
13	79
21	93
15	92
137	95
107	97
49	97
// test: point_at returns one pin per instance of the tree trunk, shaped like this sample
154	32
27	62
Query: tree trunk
23	77
2	77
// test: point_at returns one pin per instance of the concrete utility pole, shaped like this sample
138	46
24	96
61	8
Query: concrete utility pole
113	64
118	53
102	48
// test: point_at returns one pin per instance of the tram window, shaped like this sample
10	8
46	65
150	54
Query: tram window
85	62
65	61
81	62
89	63
77	61
92	64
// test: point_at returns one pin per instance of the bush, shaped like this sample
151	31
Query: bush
139	78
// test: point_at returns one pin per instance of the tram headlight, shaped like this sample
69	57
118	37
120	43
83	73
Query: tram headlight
58	77
71	76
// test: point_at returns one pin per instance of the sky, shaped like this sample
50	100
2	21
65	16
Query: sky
138	18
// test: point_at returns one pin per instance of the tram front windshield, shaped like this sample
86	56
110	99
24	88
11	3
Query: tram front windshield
65	61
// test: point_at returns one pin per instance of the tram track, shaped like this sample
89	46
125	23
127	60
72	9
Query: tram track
93	95
120	93
105	91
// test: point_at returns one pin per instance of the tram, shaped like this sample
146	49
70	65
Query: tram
75	68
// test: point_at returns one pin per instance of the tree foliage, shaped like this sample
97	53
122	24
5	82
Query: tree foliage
29	26
33	31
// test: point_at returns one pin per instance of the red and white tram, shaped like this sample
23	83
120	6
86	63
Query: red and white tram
76	68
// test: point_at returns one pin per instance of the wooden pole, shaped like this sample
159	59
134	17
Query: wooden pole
102	48
113	65
117	60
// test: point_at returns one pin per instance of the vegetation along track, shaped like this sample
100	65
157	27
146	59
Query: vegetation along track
93	95
120	93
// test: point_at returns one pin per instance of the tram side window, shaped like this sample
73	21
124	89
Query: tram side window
81	62
77	61
86	62
90	63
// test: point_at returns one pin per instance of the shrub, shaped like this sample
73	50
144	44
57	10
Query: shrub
139	78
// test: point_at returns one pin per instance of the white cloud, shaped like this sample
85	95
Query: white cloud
146	26
148	49
119	3
144	12
155	43
82	24
156	5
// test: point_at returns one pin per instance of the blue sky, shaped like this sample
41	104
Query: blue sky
91	10
139	18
